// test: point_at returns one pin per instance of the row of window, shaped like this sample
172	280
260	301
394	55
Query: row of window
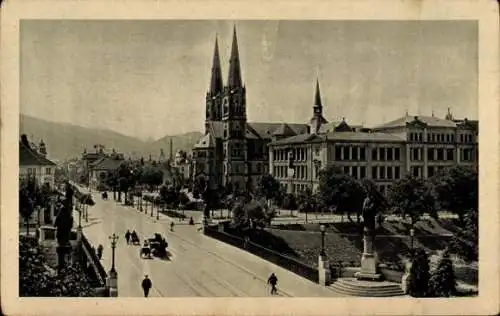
386	173
441	137
296	154
32	171
441	154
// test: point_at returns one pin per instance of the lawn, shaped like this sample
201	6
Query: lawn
344	241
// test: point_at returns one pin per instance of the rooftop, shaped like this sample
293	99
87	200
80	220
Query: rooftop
29	157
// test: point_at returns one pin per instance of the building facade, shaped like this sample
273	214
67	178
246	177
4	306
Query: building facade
235	153
33	162
416	145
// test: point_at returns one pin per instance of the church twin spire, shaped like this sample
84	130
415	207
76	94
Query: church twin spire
234	76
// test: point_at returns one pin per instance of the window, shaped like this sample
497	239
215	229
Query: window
355	172
347	153
396	172
470	138
382	172
452	138
389	154
48	170
362	172
382	154
414	171
354	153
440	154
430	171
430	154
258	168
396	154
374	154
389	173
374	173
362	154
338	153
346	170
449	154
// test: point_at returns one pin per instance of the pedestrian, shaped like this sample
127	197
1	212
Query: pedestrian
127	236
99	251
191	221
172	226
146	285
273	280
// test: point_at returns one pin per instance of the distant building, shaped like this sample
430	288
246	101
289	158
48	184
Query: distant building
100	168
416	145
33	162
183	163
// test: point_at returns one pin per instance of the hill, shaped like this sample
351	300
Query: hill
183	142
66	141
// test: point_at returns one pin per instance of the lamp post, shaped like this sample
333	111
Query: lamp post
152	206
112	281
412	235
113	239
158	213
322	229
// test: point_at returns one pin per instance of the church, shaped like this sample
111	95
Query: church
235	153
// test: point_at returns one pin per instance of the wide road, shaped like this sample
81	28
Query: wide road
199	265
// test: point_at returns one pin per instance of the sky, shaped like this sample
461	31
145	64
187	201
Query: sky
149	79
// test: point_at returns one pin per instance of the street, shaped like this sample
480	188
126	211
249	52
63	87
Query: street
198	266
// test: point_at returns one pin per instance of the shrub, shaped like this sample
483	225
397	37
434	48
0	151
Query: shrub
443	281
36	279
419	274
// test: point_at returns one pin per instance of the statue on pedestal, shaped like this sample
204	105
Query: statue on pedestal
371	206
64	224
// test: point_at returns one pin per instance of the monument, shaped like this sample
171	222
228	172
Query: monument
369	265
64	223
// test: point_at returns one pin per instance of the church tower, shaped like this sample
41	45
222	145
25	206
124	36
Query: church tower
214	94
234	124
317	119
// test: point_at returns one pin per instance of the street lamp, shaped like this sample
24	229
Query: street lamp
412	234
113	239
322	229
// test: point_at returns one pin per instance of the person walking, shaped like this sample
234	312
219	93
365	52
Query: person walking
146	285
273	280
172	226
99	251
127	236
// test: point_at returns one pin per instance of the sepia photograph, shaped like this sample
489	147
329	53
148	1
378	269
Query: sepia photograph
264	158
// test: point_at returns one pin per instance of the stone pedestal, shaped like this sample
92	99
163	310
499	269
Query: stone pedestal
112	283
324	271
369	269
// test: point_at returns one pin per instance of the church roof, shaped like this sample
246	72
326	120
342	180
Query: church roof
284	130
258	130
265	130
29	157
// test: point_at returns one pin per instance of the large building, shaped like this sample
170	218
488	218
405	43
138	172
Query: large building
235	153
33	162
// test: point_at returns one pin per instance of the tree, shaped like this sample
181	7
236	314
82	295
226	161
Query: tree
411	197
419	274
307	201
251	214
457	189
341	190
151	177
443	281
112	181
27	199
268	187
